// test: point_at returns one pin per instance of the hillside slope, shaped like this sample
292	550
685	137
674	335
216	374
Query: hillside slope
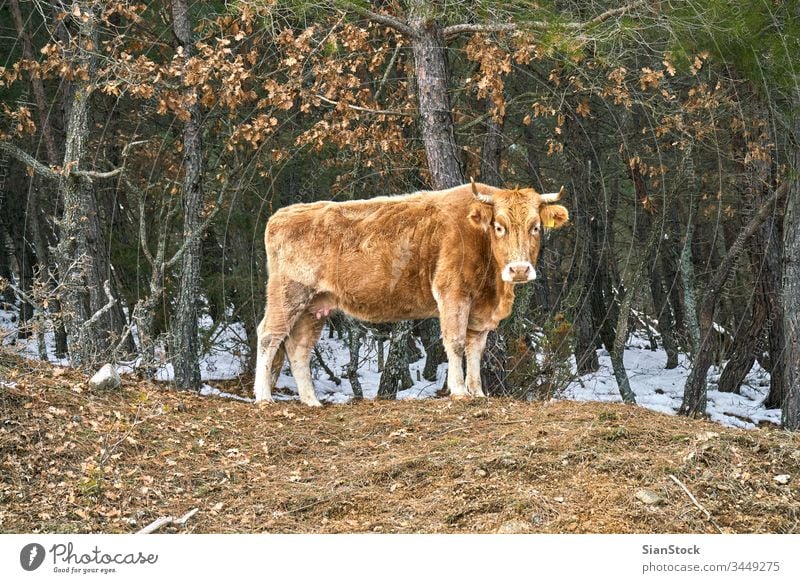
74	460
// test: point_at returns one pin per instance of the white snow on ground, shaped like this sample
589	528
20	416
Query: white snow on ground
226	357
27	347
336	356
662	390
655	387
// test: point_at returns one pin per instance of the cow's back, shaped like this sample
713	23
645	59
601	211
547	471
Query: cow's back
375	259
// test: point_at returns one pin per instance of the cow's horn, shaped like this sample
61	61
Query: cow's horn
485	198
551	196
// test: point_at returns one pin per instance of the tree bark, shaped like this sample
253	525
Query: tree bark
695	391
185	342
764	254
395	376
686	264
644	228
582	274
433	97
42	228
82	253
772	272
790	414
355	334
38	87
429	334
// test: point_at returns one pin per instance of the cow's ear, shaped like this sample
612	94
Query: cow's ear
553	216
480	215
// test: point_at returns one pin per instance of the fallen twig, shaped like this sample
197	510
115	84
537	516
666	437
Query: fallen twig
167	520
695	502
691	496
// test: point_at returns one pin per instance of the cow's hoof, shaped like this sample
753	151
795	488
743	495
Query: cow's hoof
313	403
476	393
264	402
460	397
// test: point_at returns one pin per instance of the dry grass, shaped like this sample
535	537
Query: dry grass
72	460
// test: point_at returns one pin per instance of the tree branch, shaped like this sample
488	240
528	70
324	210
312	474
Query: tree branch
92	174
30	161
725	266
388	71
48	172
197	232
167	520
457	29
384	19
112	301
364	109
142	225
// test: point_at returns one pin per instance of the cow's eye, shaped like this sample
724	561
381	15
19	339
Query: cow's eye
499	229
535	230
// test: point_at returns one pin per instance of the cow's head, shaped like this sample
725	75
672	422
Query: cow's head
515	220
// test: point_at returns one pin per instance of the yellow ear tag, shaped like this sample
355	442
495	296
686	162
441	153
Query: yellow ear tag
550	223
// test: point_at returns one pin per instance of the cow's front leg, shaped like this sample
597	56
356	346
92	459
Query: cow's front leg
453	315
476	343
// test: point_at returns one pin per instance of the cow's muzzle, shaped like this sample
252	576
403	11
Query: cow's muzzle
518	272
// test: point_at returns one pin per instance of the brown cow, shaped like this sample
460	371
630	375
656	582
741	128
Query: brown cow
454	253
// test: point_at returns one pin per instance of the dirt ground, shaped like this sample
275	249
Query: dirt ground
77	460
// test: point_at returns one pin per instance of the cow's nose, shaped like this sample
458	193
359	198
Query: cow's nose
519	272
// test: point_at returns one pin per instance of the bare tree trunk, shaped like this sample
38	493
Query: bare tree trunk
185	342
23	252
668	265
82	253
791	309
433	84
395	376
686	263
695	392
764	253
429	334
586	257
742	352
355	334
644	229
36	83
617	350
772	273
38	217
7	294
791	287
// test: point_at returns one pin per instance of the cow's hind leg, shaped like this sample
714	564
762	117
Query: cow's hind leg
286	301
476	343
269	352
299	344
